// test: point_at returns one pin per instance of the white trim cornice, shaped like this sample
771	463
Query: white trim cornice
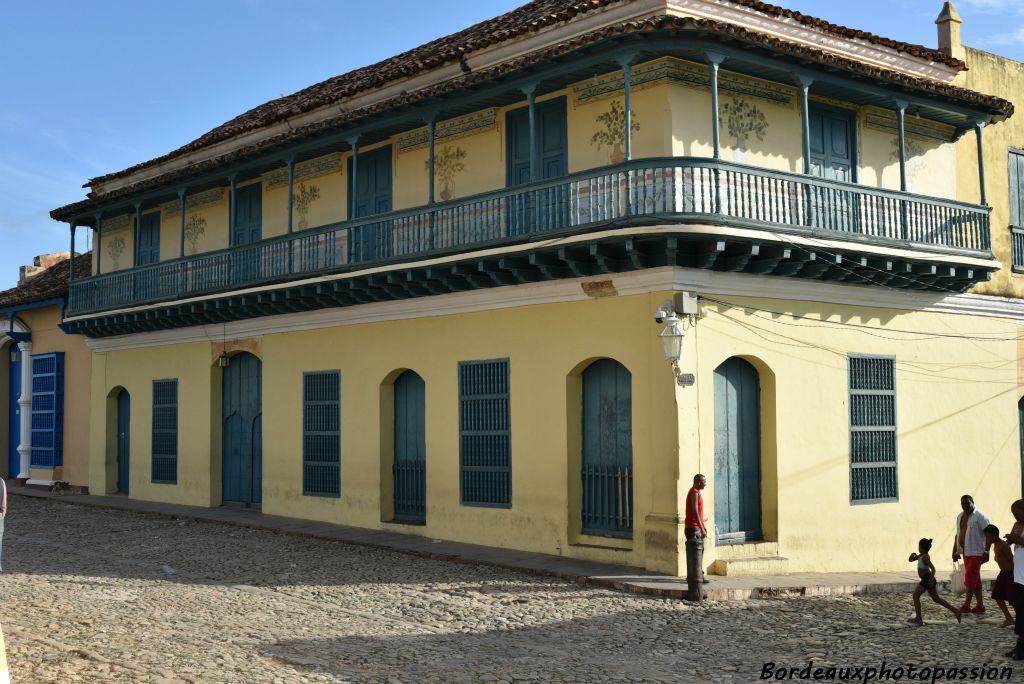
790	30
634	283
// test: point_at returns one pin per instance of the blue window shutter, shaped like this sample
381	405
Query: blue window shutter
165	431
873	448
47	422
1016	170
321	433
485	451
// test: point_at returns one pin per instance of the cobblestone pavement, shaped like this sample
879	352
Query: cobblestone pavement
91	595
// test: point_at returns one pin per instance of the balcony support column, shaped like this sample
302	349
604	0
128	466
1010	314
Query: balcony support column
291	191
715	60
98	247
978	126
354	144
531	102
805	121
901	110
232	186
431	170
138	231
71	258
181	236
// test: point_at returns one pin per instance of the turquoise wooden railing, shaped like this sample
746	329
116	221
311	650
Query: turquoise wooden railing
671	190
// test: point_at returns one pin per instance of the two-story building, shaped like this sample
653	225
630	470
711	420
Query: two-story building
421	295
45	383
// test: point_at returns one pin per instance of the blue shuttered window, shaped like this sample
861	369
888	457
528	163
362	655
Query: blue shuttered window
873	449
1016	170
321	433
485	451
47	422
165	431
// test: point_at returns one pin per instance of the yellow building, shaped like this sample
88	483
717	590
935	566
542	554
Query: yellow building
45	377
431	295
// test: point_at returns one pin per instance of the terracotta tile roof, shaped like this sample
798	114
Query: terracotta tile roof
50	284
528	18
413	62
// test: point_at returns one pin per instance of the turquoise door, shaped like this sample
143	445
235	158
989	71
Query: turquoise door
246	229
544	208
242	454
13	411
124	421
373	196
607	472
737	452
148	249
833	156
832	143
410	472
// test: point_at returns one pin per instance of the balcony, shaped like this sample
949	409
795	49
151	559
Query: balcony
687	192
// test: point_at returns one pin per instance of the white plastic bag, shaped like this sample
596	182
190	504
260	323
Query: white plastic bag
956	578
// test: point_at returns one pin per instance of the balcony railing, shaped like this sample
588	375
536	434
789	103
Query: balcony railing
669	190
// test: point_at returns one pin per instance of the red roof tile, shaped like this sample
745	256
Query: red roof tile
50	284
530	17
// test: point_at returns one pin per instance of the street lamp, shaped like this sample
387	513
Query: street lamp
672	339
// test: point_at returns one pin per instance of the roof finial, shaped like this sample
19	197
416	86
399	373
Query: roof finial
949	22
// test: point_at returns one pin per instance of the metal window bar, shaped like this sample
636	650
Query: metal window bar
164	449
485	456
873	436
321	433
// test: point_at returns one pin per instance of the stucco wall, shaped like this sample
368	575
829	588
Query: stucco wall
1004	77
956	421
47	337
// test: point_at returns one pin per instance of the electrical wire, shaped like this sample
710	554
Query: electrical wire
866	329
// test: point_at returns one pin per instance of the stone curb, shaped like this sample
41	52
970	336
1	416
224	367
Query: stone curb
639	587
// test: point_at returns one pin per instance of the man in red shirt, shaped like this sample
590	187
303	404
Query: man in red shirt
696	532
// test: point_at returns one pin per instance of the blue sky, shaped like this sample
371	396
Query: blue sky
88	88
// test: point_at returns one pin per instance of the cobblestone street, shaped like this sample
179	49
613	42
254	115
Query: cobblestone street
94	595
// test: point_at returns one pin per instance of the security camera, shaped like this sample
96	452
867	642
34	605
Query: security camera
661	314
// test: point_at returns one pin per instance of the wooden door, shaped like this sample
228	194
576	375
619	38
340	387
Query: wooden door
546	208
409	469
13	411
737	452
607	472
371	241
833	156
124	421
242	453
148	249
246	229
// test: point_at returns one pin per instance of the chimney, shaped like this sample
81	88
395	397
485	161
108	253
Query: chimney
949	22
40	264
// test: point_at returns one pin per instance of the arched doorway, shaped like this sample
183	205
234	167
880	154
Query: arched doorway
242	455
13	409
410	466
124	421
737	452
607	470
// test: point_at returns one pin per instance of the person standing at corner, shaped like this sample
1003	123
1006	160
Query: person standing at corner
1016	537
696	531
970	541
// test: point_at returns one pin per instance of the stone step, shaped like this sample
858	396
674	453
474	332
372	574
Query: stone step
745	567
761	549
